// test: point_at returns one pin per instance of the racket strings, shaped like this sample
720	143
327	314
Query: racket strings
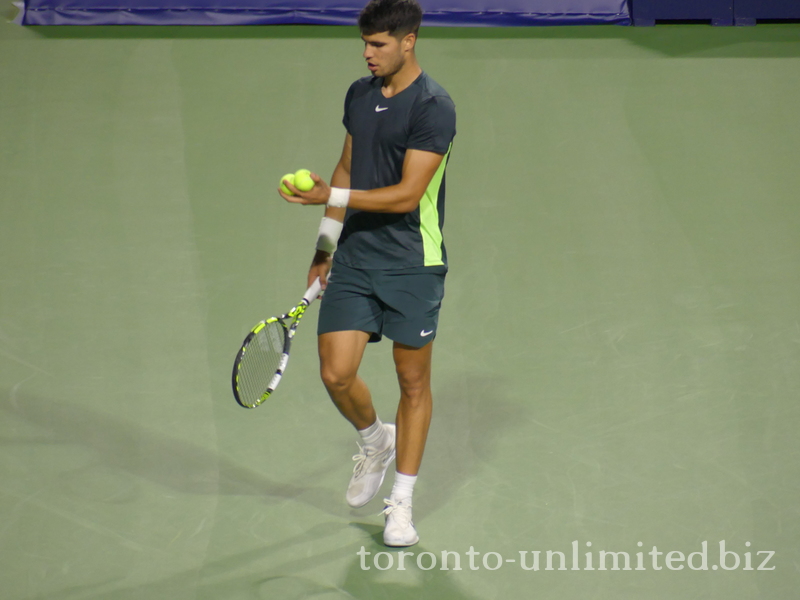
260	361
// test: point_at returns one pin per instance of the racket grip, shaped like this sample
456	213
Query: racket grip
312	292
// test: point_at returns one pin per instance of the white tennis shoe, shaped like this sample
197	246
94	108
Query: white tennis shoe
399	530
370	469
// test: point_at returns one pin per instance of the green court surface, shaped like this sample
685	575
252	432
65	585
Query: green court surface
618	362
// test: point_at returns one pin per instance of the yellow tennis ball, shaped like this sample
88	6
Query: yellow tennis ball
303	181
290	178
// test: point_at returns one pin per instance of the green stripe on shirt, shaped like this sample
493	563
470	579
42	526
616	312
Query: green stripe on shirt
429	217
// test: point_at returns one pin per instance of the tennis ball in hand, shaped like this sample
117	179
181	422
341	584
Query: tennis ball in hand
303	181
290	178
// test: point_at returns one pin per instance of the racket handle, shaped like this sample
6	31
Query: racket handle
312	292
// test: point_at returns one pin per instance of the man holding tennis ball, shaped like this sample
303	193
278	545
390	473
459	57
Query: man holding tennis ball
301	180
383	218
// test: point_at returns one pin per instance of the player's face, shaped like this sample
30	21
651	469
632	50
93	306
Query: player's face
385	54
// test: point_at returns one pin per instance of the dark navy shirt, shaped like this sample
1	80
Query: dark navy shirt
421	117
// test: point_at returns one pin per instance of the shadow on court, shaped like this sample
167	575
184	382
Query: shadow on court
470	414
232	577
281	570
169	462
389	582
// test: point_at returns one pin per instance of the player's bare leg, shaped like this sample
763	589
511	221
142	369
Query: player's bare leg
413	420
416	404
340	355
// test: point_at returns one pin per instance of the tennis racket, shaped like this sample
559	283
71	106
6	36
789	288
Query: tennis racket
262	359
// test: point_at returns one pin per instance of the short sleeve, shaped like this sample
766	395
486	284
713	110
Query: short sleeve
347	100
433	125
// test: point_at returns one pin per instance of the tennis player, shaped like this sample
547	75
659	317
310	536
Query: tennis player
384	216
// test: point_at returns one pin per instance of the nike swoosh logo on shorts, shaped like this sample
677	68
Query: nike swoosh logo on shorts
424	333
379	109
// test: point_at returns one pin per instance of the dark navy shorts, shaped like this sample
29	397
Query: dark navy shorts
402	304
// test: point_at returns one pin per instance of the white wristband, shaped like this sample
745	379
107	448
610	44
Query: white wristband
329	232
339	197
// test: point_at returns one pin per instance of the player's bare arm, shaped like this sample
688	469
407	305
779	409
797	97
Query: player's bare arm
321	263
419	167
341	178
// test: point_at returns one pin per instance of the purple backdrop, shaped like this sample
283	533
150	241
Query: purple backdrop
457	13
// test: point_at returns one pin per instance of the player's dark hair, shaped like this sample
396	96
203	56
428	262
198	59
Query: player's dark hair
398	17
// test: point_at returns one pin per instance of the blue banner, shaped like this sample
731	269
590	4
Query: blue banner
454	13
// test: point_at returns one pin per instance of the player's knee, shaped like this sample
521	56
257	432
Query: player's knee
415	390
336	381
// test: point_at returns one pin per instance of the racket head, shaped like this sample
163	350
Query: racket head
260	362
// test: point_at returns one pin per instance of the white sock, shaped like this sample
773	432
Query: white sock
403	486
375	436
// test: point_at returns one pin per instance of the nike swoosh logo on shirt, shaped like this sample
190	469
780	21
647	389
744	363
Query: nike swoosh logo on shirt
424	333
379	109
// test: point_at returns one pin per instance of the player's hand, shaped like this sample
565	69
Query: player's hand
320	267
319	194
